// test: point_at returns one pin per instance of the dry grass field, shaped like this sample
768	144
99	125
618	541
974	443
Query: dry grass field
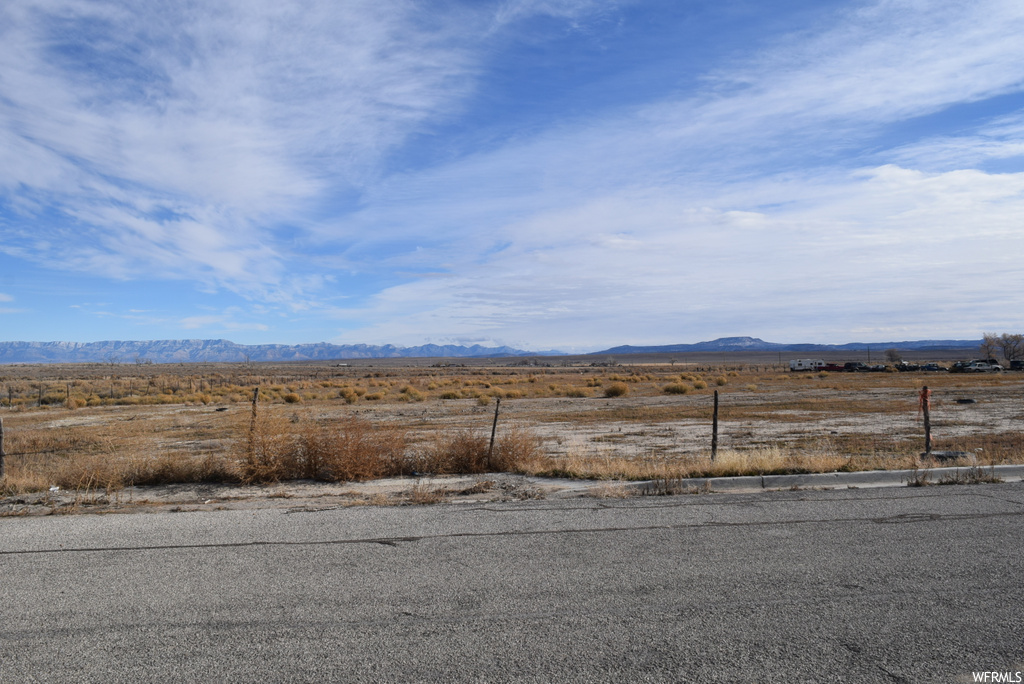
91	427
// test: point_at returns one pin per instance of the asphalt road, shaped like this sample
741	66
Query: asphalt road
882	585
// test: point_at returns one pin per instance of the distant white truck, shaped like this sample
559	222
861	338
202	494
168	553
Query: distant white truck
806	364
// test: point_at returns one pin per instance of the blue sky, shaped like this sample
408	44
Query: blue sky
569	174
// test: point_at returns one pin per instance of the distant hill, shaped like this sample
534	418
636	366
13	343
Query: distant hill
185	351
193	351
755	344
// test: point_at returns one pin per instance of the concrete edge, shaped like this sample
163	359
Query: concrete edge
841	480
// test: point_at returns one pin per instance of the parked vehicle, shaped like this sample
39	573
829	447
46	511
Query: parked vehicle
1017	365
833	367
856	367
878	368
932	368
976	366
805	364
905	367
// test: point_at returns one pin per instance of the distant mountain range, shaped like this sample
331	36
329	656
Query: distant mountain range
725	344
191	351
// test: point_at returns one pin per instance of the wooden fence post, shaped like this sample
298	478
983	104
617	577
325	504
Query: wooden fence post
255	402
251	446
714	430
494	428
3	454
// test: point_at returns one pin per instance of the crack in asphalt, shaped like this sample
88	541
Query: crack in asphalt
903	518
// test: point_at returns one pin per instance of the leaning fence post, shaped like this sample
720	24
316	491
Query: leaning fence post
714	429
3	454
494	428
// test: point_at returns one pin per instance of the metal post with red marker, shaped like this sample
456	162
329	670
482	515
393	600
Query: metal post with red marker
925	402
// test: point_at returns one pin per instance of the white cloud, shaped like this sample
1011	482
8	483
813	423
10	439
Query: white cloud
179	135
889	245
745	205
1002	139
691	214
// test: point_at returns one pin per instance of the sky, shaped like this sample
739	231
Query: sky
544	174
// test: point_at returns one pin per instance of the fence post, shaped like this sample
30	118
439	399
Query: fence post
3	454
925	399
494	428
251	446
714	430
255	401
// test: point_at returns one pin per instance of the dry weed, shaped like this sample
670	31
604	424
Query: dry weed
421	494
351	450
454	452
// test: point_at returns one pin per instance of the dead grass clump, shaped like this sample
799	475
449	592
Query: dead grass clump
581	464
267	453
175	468
972	475
515	446
410	393
350	451
771	460
464	452
994	448
676	388
616	389
421	494
455	452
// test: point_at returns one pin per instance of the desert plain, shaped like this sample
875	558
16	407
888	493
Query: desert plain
106	436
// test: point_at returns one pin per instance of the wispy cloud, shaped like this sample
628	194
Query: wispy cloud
257	147
744	191
179	137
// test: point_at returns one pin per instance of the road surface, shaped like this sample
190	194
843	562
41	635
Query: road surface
880	585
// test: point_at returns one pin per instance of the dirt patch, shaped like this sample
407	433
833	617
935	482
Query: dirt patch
302	495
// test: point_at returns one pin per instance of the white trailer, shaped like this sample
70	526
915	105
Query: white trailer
805	364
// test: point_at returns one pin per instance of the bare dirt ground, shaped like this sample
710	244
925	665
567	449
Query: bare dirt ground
305	495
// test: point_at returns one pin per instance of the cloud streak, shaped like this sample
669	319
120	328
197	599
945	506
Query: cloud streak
259	149
178	136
